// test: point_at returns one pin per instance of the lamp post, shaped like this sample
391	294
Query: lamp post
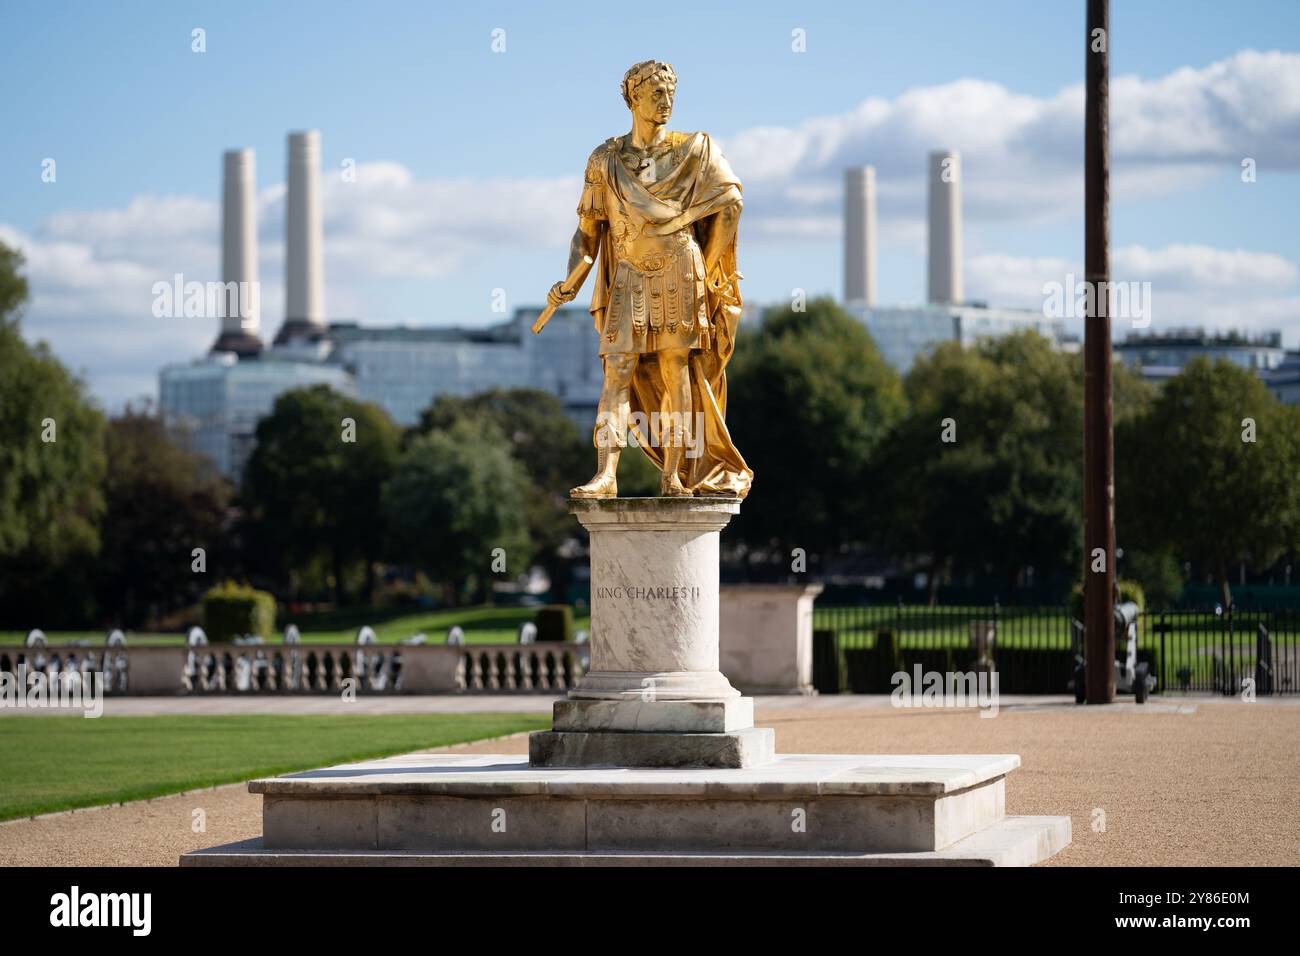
1098	438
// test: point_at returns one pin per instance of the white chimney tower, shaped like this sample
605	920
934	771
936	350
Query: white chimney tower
304	311
860	235
242	301
945	228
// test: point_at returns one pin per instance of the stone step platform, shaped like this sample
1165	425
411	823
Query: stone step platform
1012	841
448	809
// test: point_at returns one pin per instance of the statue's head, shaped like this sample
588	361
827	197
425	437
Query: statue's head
648	90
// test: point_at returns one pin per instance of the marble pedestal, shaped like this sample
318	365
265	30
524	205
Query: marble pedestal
653	695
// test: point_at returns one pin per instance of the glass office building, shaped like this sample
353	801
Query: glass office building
216	402
1162	355
1175	348
903	333
404	369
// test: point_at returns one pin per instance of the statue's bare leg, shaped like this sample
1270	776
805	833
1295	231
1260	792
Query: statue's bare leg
676	374
611	427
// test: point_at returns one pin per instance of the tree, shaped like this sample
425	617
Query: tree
457	497
13	284
554	454
985	469
51	466
162	502
1209	471
810	399
313	482
1158	573
548	447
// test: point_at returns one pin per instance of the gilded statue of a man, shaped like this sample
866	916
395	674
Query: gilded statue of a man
658	212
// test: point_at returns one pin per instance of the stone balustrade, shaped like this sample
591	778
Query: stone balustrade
547	668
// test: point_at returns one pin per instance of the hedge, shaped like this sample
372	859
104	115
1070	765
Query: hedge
555	623
828	668
232	610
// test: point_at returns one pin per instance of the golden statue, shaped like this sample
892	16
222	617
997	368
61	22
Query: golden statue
659	212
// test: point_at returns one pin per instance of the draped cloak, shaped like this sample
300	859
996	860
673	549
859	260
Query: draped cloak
699	185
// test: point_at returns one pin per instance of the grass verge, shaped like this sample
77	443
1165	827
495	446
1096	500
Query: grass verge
59	763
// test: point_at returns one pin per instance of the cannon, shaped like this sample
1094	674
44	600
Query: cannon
1130	676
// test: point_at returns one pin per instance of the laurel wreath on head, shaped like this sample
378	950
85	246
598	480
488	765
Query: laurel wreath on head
643	71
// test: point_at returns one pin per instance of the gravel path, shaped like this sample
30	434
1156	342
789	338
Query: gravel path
1210	785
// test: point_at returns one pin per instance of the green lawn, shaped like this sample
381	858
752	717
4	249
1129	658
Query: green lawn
482	625
57	763
946	626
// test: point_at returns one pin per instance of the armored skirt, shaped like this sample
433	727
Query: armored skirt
657	300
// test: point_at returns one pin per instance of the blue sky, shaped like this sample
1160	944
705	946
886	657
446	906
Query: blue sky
469	159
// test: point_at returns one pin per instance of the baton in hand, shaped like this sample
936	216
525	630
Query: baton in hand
571	284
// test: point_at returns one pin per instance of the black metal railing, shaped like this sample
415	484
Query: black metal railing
858	648
1225	651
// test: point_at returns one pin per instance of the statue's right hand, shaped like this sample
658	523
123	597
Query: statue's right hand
557	296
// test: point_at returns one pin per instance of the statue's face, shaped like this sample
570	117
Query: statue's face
653	100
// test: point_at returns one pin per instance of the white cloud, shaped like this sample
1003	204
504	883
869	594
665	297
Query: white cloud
1014	280
1191	285
1247	105
91	271
94	306
1021	154
1189	268
390	225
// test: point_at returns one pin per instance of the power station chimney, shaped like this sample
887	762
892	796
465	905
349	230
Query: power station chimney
242	295
304	308
945	228
860	235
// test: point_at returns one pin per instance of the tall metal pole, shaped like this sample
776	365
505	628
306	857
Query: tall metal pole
1098	445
